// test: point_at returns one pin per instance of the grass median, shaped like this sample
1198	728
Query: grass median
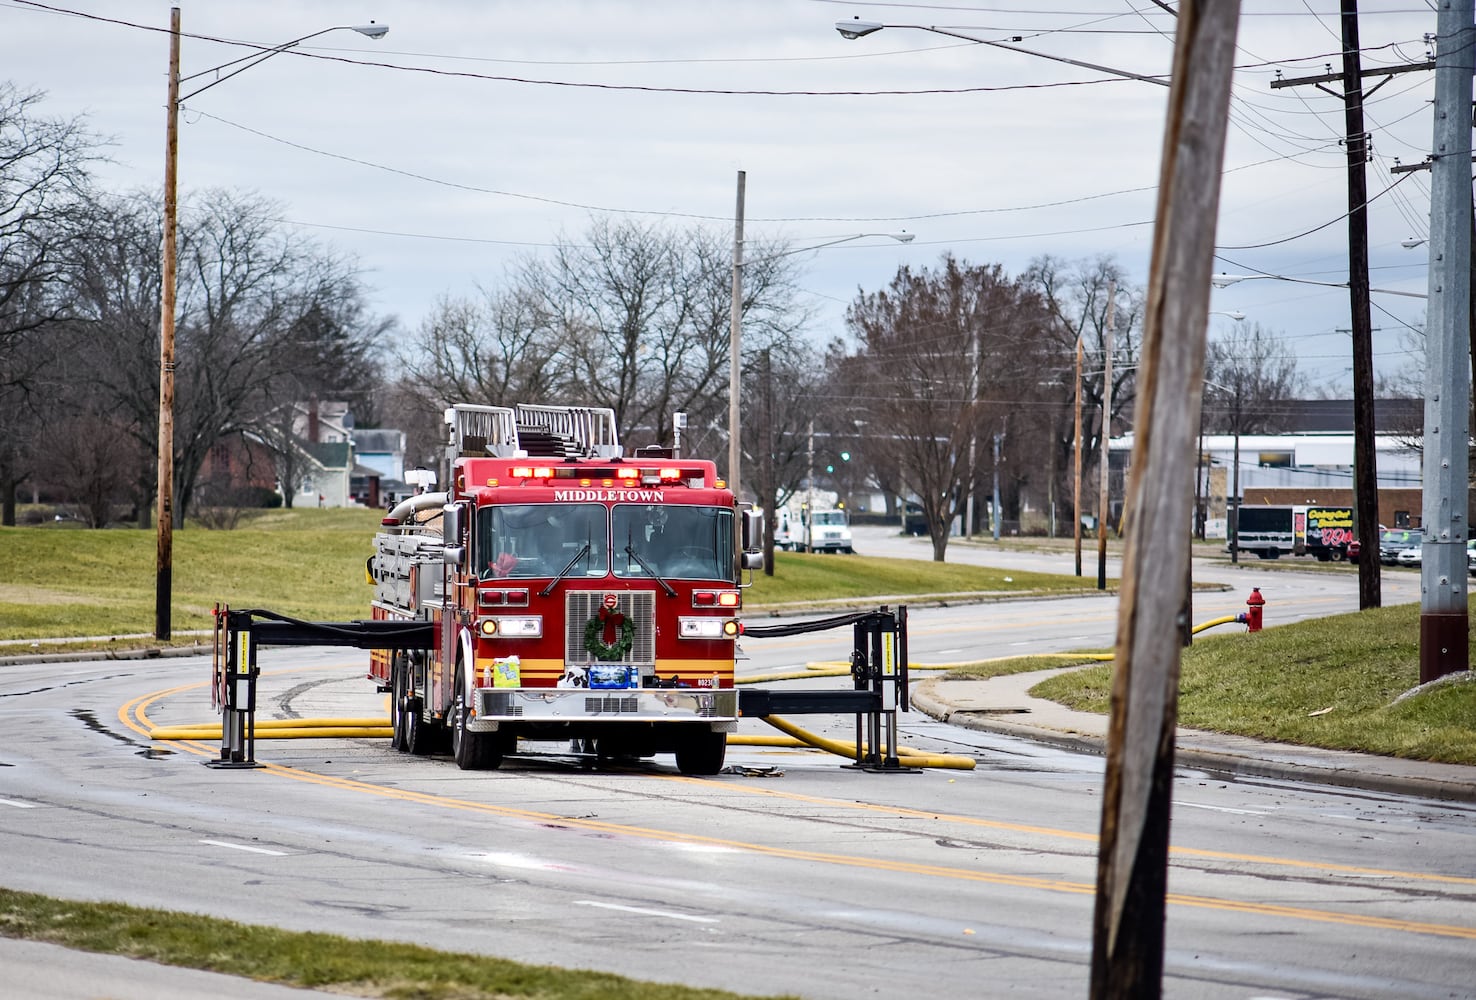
1349	682
63	580
348	966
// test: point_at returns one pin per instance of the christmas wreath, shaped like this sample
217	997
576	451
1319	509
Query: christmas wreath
609	635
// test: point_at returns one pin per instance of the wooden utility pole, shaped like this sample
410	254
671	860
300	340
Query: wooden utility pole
1132	867
164	523
1104	493
1076	488
1365	469
735	348
770	495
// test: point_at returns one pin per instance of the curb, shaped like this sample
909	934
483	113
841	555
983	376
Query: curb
148	653
1222	763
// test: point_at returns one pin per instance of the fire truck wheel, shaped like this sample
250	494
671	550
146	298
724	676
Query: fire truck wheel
418	736
398	672
473	751
701	752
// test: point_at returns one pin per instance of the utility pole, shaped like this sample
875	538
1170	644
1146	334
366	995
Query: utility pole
1132	852
1076	458
735	340
164	524
1365	468
1444	624
1104	514
770	491
1235	484
999	437
968	527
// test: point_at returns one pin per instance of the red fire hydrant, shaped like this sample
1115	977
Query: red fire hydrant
1251	619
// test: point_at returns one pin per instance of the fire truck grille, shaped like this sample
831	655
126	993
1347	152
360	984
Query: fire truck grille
611	704
583	606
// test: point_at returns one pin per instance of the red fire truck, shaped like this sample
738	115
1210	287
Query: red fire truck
577	594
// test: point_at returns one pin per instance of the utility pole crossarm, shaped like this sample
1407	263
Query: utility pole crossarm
1384	71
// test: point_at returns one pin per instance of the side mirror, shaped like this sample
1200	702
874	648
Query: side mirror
452	528
753	534
753	560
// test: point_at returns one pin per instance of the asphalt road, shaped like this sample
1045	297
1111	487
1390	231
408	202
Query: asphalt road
800	875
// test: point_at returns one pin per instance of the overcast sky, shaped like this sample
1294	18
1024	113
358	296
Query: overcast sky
479	131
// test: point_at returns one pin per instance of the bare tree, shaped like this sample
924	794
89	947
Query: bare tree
1076	294
263	316
43	180
782	404
1250	381
499	348
944	355
91	459
643	314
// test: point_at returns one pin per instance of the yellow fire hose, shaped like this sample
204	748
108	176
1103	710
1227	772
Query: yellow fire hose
307	733
914	758
1227	620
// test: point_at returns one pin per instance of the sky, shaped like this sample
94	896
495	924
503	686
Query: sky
480	132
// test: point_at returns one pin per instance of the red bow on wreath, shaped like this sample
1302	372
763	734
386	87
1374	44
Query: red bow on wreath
613	620
609	635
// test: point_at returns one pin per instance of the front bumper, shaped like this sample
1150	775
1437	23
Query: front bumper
497	705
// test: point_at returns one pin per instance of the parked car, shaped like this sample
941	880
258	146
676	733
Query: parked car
1396	540
1355	549
1410	556
1471	556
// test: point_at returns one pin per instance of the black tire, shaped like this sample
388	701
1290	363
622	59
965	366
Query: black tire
472	751
399	684
701	752
419	738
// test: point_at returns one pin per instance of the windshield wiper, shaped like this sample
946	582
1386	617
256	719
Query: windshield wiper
583	551
630	551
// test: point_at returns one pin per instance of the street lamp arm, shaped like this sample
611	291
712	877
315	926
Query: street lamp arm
857	29
371	30
903	237
1226	280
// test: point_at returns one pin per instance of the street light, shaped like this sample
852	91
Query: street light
857	28
164	563
735	318
1233	526
1201	487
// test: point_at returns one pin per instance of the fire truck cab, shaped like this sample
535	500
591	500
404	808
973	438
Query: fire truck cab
579	595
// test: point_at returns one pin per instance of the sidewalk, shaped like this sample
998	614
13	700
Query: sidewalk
1002	705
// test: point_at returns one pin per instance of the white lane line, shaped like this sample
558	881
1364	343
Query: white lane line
645	912
1221	809
17	805
245	847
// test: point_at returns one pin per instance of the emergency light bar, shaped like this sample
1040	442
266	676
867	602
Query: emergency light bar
667	475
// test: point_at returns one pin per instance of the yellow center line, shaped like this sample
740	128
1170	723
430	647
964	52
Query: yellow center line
137	707
1046	831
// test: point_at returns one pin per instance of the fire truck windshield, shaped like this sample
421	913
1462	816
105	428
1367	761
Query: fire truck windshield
539	540
678	542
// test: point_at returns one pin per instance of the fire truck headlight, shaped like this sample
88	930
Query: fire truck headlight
525	627
705	628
